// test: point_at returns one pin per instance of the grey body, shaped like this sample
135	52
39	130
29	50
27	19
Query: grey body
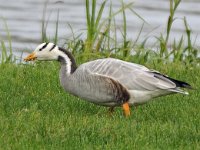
111	82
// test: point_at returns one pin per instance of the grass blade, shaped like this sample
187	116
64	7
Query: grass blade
100	13
56	33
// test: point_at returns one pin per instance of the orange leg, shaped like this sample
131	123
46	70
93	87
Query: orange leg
126	109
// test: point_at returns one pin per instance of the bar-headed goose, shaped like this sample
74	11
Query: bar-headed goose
108	82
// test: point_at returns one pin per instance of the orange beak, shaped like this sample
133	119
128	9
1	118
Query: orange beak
30	57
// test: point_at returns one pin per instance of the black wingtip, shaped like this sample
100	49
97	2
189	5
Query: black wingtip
186	85
181	83
177	82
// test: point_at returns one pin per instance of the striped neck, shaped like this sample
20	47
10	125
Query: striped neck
68	63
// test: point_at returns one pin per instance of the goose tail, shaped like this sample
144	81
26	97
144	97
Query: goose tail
178	90
179	84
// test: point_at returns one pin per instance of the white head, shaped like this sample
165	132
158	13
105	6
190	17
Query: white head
46	51
49	51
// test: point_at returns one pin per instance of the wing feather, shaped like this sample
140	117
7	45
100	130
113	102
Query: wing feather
132	76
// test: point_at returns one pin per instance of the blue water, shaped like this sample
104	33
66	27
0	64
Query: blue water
24	18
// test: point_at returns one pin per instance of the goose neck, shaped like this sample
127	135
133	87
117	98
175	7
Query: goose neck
67	61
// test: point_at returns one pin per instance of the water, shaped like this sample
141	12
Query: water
24	19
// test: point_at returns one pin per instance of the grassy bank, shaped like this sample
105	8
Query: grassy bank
36	113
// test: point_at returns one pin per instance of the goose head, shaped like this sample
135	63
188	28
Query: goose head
50	51
45	51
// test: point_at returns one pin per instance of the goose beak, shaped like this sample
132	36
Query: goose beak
30	57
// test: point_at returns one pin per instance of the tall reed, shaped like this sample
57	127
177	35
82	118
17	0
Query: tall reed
6	51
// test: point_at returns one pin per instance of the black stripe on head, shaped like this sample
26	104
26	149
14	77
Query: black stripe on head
43	47
52	47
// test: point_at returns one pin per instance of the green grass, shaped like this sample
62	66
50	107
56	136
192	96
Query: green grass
36	113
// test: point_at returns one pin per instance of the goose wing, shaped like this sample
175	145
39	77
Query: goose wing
130	75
